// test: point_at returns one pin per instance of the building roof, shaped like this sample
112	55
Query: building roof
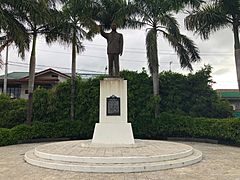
229	93
46	71
15	75
25	75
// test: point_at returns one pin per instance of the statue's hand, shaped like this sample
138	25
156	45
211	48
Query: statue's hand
100	27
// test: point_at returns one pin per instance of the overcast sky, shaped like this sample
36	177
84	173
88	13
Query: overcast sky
218	52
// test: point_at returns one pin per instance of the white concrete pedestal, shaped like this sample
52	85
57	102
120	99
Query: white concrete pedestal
113	129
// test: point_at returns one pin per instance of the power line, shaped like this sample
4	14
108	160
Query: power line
19	64
99	46
124	59
91	56
103	46
12	64
41	66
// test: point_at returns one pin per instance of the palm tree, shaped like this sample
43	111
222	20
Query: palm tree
117	11
157	16
12	28
36	16
216	15
75	23
13	32
21	20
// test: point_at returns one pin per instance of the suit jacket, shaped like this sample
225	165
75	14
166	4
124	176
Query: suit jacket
115	42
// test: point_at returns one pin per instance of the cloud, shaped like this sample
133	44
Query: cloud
221	71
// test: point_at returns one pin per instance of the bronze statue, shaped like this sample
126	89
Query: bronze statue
114	49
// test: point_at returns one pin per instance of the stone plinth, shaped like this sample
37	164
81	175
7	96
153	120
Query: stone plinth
113	127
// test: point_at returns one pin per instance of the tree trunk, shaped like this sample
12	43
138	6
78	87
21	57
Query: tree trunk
156	93
31	80
6	73
73	79
237	52
155	76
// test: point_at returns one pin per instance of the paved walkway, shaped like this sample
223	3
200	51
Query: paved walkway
219	162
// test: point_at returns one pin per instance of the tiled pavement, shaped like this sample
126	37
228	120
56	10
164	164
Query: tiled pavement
219	162
142	148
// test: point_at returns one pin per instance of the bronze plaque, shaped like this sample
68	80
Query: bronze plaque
113	106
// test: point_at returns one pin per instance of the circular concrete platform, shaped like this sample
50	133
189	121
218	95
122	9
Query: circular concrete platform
145	155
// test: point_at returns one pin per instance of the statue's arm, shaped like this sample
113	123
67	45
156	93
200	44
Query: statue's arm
121	44
105	35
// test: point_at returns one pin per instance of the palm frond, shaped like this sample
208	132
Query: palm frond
170	23
117	11
13	27
192	49
76	15
208	19
231	7
134	23
185	49
80	46
177	5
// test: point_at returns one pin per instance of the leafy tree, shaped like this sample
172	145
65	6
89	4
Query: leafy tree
157	16
216	15
140	102
74	24
192	95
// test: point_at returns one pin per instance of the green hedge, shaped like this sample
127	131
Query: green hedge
227	130
186	95
168	125
12	111
183	94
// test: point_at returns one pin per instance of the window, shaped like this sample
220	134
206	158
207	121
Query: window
26	91
14	92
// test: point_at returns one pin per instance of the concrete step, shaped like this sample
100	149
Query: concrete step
31	158
123	160
142	151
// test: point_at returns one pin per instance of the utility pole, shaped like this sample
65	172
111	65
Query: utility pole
170	65
6	72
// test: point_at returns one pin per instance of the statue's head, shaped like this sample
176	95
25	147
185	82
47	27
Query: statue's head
114	26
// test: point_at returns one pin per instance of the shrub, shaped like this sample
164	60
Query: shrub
12	111
6	137
22	132
170	125
183	94
167	125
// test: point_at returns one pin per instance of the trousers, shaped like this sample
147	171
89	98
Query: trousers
113	62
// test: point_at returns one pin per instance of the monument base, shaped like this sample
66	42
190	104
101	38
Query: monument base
113	133
113	128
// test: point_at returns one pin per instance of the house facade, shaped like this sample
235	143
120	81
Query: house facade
17	84
233	96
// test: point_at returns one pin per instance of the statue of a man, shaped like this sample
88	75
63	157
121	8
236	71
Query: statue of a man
114	49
